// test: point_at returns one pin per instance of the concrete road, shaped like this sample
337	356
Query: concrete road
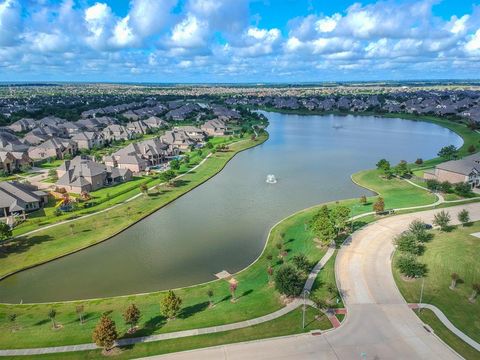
379	324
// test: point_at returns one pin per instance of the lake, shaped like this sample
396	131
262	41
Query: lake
223	224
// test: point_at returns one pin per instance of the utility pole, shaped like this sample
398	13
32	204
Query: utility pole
305	294
421	293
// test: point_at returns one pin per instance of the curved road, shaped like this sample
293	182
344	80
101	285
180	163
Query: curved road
379	324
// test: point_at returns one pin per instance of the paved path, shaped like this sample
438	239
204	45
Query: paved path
379	324
379	320
111	207
448	324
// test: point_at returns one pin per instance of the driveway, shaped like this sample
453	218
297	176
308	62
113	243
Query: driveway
379	324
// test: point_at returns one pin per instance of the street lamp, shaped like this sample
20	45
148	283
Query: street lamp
305	295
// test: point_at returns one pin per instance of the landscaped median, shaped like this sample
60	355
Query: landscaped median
451	260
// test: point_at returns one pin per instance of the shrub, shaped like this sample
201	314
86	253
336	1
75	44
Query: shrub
379	205
407	242
442	219
302	263
409	266
433	185
464	216
445	187
289	281
463	189
419	161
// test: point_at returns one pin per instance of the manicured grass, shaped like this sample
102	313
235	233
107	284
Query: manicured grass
286	325
446	335
396	192
256	298
324	278
456	251
50	165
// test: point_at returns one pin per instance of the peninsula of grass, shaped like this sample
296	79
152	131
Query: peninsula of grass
449	252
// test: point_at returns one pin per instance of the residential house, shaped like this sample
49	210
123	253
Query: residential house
192	132
215	127
137	127
116	132
22	125
17	198
155	122
89	140
82	174
137	157
178	139
53	148
458	171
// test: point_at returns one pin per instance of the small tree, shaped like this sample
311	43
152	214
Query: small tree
379	205
5	231
475	291
419	161
419	230
409	266
210	297
71	226
454	277
442	220
105	333
464	217
233	287
131	316
79	309
472	149
144	188
448	152
175	164
270	274
383	165
302	263
289	281
463	189
407	242
402	168
171	305
52	314
363	200
12	318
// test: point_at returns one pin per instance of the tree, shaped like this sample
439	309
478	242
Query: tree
463	189
323	227
71	226
339	216
407	242
442	220
144	188
79	309
52	314
409	266
105	333
175	164
448	152
379	205
363	200
472	149
402	168
433	185
131	316
453	283
171	305
270	274
289	281
475	291
419	161
302	263
210	297
419	229
464	217
233	287
383	165
167	176
5	231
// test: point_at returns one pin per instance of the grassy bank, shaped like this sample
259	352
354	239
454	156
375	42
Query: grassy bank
449	252
63	239
286	325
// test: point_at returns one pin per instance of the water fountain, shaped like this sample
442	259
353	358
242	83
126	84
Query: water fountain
271	179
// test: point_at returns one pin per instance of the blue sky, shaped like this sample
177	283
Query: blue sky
238	40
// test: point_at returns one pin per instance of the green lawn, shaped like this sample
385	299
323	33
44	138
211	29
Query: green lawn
256	298
324	278
446	335
50	165
449	252
286	325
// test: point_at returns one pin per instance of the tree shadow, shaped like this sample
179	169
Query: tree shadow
188	311
22	244
42	322
149	327
245	293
